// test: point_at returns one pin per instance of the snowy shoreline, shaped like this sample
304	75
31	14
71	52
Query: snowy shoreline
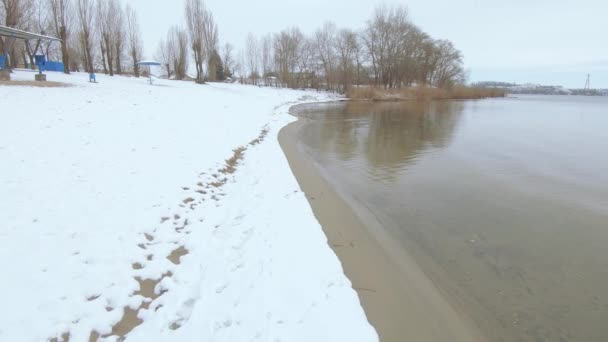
400	300
103	184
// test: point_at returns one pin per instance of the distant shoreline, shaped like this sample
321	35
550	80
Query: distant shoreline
422	93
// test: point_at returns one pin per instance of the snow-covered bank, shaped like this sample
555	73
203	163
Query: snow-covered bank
99	183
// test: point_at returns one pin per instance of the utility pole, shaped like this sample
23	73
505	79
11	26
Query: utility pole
588	83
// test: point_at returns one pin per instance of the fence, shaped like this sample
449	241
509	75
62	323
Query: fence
53	66
48	66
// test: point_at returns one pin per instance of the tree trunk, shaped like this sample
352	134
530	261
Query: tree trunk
65	57
103	59
109	62
109	58
87	54
212	71
30	56
118	67
135	65
199	68
13	57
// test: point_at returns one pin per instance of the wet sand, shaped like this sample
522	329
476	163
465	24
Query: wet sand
400	301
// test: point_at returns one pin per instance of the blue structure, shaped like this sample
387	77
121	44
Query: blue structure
149	64
44	65
2	61
40	62
12	34
53	66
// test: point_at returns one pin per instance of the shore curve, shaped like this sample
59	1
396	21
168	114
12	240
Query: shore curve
400	301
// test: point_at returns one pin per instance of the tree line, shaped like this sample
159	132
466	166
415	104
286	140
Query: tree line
389	51
96	35
199	39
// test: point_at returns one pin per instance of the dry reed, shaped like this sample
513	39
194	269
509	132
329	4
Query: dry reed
422	93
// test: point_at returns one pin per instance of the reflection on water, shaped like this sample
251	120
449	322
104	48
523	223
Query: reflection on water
389	135
504	203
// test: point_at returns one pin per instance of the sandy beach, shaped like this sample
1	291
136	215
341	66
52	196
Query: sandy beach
400	301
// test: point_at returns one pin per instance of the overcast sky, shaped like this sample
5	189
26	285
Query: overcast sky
540	41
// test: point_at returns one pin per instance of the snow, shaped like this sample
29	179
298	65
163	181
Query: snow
96	190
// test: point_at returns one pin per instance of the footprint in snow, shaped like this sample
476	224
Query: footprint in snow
221	289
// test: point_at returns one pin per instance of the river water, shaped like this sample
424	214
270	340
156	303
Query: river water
503	202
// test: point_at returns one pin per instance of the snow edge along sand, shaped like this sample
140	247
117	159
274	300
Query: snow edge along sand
258	264
306	297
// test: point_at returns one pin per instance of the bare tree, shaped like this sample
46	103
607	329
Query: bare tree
15	12
252	55
105	21
288	47
424	58
203	34
390	51
359	59
33	19
215	69
182	53
177	46
86	15
173	53
211	47
239	66
306	64
266	58
448	67
2	40
375	37
134	41
282	52
75	52
398	50
228	59
163	54
324	45
346	47
110	25
118	33
61	14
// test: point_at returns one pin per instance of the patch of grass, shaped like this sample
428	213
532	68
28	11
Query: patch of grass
260	138
233	162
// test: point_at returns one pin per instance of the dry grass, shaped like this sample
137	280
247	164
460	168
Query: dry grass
239	153
260	138
130	318
422	93
233	162
35	84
